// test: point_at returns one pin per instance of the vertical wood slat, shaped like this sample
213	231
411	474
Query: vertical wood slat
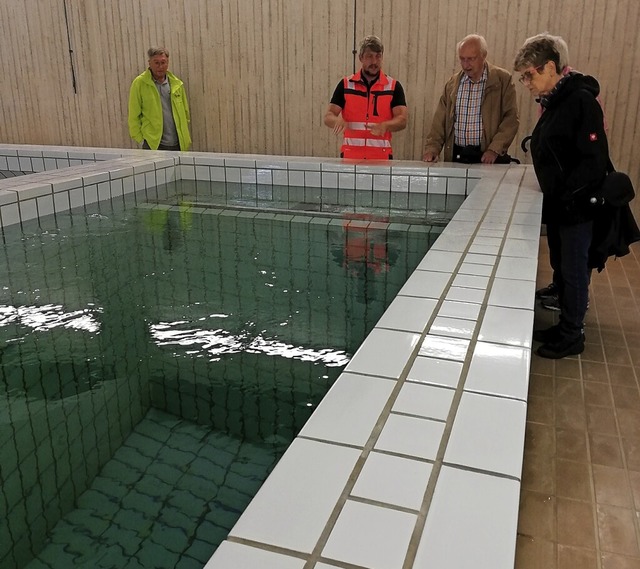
259	74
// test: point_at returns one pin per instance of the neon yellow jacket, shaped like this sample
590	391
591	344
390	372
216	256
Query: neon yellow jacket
145	110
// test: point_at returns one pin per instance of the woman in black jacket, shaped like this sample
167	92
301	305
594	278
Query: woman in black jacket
570	156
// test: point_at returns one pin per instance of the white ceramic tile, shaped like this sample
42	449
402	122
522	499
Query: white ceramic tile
451	242
381	182
349	411
487	240
457	186
500	370
45	205
488	434
484	249
471	524
511	326
474	295
370	536
294	503
426	284
517	268
461	228
235	162
453	327
384	353
425	401
329	179
400	183
364	181
61	201
35	190
393	480
272	163
441	261
347	181
484	232
449	171
468	212
411	436
471	281
462	310
444	348
526	248
512	293
231	555
76	196
532	218
28	210
408	313
9	214
280	178
374	167
296	178
313	179
478	259
437	185
435	371
338	166
418	184
474	269
523	232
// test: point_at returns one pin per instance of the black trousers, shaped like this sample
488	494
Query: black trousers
146	146
473	155
569	257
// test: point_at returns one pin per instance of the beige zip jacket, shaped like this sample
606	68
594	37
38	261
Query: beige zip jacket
499	114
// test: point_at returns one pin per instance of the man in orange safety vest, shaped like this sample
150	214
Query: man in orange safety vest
367	107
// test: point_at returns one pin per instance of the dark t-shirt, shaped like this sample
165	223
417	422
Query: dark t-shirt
398	99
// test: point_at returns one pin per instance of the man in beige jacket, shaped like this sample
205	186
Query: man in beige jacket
477	116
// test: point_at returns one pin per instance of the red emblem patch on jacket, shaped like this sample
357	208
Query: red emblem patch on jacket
593	137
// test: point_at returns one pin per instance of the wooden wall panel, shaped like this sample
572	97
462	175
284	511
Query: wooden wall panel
259	73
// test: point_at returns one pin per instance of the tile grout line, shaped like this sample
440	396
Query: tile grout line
315	556
418	532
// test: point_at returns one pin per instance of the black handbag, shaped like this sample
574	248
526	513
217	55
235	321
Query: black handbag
616	190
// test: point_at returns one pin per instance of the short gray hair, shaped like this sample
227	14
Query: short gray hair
371	42
561	47
537	52
478	40
153	51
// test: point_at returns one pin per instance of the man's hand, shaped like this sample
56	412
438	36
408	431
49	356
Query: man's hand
489	157
377	128
430	156
339	125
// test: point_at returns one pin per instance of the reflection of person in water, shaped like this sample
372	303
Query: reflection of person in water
172	235
170	223
365	253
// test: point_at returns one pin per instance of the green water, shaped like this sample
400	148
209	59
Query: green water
156	363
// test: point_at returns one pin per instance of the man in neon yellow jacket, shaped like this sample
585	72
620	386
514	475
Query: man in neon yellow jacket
158	108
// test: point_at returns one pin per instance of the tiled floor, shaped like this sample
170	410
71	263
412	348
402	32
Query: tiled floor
580	498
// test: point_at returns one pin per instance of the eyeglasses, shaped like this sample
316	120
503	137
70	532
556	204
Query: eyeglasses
527	76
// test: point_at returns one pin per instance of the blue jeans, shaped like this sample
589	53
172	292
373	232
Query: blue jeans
569	256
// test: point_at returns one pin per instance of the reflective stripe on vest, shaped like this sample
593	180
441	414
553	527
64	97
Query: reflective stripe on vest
363	108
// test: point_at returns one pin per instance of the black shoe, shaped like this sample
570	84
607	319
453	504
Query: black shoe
548	336
549	290
562	348
551	302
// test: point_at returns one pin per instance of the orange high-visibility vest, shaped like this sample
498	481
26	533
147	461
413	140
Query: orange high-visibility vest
363	107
